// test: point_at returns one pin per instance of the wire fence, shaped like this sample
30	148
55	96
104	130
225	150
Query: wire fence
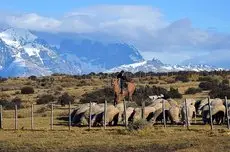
57	117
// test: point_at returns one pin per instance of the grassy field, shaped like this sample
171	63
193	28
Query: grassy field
198	138
154	138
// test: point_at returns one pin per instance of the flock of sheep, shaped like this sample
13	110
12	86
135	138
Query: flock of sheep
174	112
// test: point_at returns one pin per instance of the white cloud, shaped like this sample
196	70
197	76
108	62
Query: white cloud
219	58
33	22
143	26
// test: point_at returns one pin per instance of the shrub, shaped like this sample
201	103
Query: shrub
65	99
27	90
205	78
82	83
170	80
7	105
98	96
32	77
174	93
17	92
225	82
182	78
43	109
58	88
44	99
193	90
4	96
17	101
138	125
2	79
208	85
145	92
220	92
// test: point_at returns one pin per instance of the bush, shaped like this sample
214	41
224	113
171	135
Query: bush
98	96
208	85
170	80
4	96
17	101
32	77
205	78
174	93
220	92
182	78
27	90
193	90
138	125
65	99
7	105
145	92
58	88
2	79
225	82
43	109
44	99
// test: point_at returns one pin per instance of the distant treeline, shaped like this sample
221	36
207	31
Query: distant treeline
141	74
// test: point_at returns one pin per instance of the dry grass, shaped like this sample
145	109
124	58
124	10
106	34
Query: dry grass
116	139
153	138
156	138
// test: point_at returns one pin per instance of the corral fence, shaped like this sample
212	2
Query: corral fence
57	117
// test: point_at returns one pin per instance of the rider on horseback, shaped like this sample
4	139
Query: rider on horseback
122	78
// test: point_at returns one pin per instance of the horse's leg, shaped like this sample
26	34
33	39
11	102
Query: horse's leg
128	97
115	100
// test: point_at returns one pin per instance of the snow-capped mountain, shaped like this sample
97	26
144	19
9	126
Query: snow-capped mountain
156	65
24	54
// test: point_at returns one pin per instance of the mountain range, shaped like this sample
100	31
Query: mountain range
156	65
25	53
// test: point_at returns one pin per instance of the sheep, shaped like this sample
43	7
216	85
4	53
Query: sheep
218	113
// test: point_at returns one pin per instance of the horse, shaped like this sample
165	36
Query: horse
126	92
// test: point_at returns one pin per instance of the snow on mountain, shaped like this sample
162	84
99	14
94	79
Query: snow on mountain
156	65
24	54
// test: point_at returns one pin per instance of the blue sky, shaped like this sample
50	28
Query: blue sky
211	14
174	31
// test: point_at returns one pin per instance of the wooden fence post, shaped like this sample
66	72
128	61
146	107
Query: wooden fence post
195	117
51	118
227	110
210	113
90	115
70	121
105	114
16	117
32	116
186	114
163	110
143	109
1	121
125	116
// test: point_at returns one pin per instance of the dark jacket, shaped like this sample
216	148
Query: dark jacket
121	76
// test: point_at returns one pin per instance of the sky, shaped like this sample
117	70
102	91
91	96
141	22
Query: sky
175	31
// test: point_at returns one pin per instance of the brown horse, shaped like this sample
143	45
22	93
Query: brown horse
120	97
